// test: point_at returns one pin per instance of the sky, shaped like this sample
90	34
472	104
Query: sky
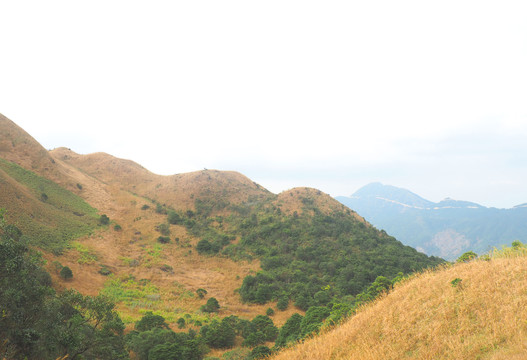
430	96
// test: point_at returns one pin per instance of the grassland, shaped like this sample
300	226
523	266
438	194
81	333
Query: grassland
472	310
47	213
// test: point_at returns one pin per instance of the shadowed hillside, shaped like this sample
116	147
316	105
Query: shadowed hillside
472	310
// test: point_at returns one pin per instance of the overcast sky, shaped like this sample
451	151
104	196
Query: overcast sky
426	95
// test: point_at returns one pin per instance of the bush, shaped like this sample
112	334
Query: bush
66	273
150	321
269	312
219	334
104	271
117	227
282	303
174	218
104	219
212	305
163	239
201	293
259	352
164	229
145	207
181	323
468	256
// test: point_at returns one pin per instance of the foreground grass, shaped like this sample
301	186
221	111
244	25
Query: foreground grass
471	310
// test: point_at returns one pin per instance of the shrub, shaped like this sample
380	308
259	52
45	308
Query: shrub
201	293
219	334
282	303
104	219
163	239
167	268
468	256
212	305
163	229
117	227
104	271
66	273
174	218
181	323
269	312
259	352
150	321
145	207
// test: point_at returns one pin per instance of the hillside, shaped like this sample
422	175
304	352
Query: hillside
172	244
446	229
471	310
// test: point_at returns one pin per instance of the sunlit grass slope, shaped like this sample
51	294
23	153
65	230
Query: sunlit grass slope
475	310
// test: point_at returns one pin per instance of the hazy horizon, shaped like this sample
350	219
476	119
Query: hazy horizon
429	97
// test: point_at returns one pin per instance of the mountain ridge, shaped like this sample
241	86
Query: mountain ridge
446	228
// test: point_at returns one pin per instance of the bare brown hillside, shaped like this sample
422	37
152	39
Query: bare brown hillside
178	191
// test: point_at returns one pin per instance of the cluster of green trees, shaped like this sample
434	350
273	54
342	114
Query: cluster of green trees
38	323
309	259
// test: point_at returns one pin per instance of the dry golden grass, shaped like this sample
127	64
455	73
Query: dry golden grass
291	201
178	191
427	317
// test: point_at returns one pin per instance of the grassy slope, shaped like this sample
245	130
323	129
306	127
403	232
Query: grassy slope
47	213
426	317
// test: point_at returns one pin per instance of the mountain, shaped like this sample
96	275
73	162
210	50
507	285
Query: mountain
446	229
471	310
172	244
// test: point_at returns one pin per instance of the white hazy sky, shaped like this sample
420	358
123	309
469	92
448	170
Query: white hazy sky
426	95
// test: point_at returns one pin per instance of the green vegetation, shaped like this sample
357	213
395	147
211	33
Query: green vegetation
86	255
49	215
301	254
133	293
37	323
104	219
212	305
468	256
201	293
66	273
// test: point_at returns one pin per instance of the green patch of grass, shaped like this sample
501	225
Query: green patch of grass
49	215
131	292
153	255
87	255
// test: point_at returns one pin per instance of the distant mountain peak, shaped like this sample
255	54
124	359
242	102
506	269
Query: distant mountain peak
392	194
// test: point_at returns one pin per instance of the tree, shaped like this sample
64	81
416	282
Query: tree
290	332
36	323
212	305
468	256
259	352
313	320
219	334
201	293
150	321
24	287
66	273
104	219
